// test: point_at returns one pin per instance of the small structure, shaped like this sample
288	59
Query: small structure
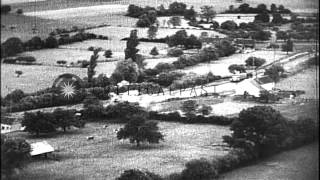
5	128
40	148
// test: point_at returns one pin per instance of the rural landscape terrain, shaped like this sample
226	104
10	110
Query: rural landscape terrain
159	89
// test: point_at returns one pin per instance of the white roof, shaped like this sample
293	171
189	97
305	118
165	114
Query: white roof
40	148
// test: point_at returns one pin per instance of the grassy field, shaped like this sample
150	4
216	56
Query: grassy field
106	158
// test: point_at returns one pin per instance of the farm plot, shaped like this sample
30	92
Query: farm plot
115	46
82	159
123	32
220	67
33	78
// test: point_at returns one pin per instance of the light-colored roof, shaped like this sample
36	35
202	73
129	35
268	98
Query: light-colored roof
40	148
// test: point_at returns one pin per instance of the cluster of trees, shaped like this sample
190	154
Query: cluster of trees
40	122
246	9
14	45
175	8
181	38
148	19
5	9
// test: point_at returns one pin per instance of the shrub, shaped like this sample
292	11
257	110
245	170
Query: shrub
254	61
225	48
19	11
260	35
61	62
14	154
200	169
274	72
136	174
164	67
15	96
26	59
175	52
154	51
214	25
139	129
91	48
288	46
175	21
36	43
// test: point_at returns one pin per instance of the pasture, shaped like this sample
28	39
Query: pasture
105	157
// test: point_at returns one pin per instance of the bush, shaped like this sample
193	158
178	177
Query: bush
19	11
136	174
108	53
200	169
166	78
26	59
229	25
189	107
236	67
66	118
274	72
15	96
175	52
154	51
260	35
14	154
51	42
93	108
125	70
11	47
164	67
254	61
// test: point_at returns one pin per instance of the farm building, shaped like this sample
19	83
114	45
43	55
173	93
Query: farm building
6	128
39	148
254	86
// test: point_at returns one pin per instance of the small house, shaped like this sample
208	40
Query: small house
5	128
40	148
246	43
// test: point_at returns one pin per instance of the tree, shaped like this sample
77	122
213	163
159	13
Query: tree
236	67
19	11
254	61
199	169
108	53
177	8
229	25
208	54
154	51
277	18
178	38
262	8
260	35
19	73
38	122
139	129
175	21
273	8
14	154
147	19
51	42
282	35
189	107
36	42
190	13
208	13
152	32
288	46
244	8
5	9
126	70
11	47
134	11
132	43
262	17
66	118
261	128
101	81
92	65
274	72
225	48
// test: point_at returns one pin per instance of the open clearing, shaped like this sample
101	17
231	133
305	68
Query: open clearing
82	159
297	164
220	67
